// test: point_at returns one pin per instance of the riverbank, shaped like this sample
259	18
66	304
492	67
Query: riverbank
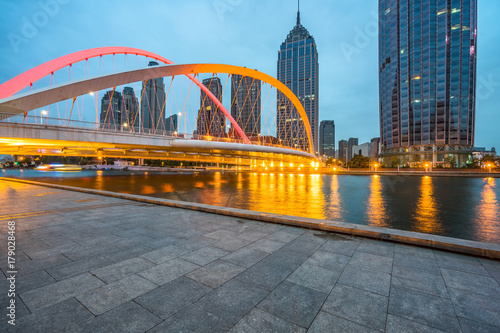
90	262
488	250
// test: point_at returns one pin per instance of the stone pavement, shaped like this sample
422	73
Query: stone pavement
89	263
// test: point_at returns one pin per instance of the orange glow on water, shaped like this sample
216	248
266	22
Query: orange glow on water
426	212
488	212
376	208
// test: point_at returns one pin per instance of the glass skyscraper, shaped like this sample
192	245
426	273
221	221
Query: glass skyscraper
327	138
298	69
211	121
152	103
427	80
246	103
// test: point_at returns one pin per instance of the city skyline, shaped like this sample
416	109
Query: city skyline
344	34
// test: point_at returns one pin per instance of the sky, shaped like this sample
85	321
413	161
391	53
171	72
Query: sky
245	33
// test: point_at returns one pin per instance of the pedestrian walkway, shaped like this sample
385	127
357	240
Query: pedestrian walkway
90	263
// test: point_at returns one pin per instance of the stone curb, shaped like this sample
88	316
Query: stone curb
487	250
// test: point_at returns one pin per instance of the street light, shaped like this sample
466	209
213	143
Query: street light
44	113
489	167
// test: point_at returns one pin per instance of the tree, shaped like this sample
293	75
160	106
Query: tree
359	161
450	161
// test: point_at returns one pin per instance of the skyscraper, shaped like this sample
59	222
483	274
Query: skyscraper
152	103
427	79
130	108
111	109
245	103
327	138
352	142
211	121
171	123
342	153
298	69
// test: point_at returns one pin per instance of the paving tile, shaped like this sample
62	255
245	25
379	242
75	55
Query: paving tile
419	280
164	254
56	318
172	297
262	321
326	322
57	292
231	244
78	267
282	236
476	307
127	253
345	247
192	319
114	294
168	271
368	280
204	255
265	276
122	269
398	325
460	263
328	260
33	280
477	284
129	317
414	251
314	277
245	257
423	308
470	326
372	261
416	263
233	300
90	251
267	245
376	247
286	259
215	273
294	303
362	307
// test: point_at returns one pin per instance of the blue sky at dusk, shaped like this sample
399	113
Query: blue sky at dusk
246	33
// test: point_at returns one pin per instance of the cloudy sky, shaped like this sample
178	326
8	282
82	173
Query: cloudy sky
246	33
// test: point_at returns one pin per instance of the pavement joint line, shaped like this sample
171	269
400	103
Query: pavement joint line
480	249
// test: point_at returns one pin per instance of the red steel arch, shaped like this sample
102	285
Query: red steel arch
27	78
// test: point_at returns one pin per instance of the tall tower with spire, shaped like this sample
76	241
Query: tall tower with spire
298	69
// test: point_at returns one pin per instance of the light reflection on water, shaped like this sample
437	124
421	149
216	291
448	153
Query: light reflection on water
467	208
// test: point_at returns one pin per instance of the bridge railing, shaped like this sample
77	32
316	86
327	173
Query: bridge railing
45	121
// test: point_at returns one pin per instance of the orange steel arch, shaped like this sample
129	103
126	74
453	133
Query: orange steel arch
27	78
36	98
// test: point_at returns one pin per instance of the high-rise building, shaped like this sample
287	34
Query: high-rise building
130	115
427	79
298	69
152	103
351	143
245	103
171	123
211	121
111	109
327	138
342	152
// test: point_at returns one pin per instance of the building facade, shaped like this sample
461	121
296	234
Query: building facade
298	69
352	142
111	110
152	104
427	79
342	152
171	123
211	121
246	103
130	115
327	138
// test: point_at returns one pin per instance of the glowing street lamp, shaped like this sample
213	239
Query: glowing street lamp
489	167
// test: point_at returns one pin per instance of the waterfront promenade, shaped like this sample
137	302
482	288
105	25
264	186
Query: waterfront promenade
91	263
